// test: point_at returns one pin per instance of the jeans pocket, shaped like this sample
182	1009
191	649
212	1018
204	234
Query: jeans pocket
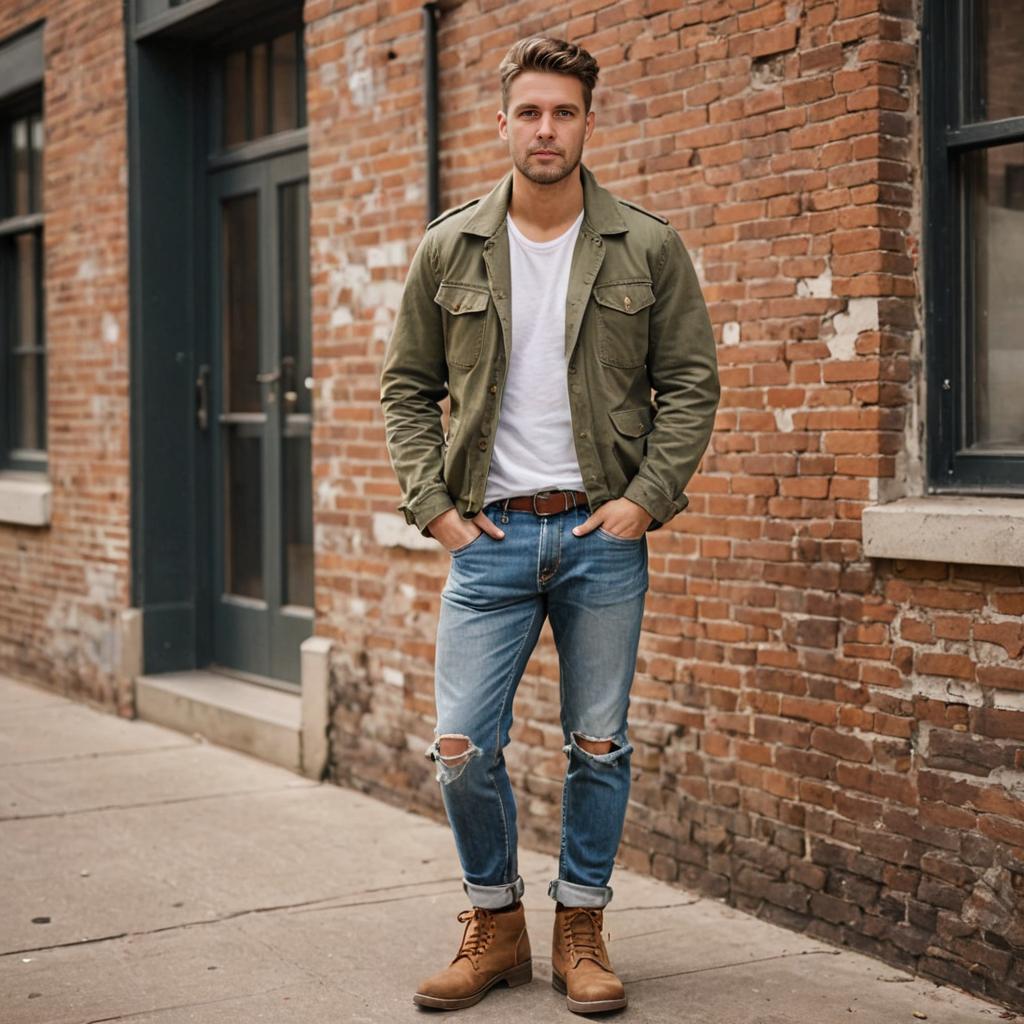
602	532
465	547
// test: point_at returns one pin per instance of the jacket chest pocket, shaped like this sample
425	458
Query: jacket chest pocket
623	322
465	315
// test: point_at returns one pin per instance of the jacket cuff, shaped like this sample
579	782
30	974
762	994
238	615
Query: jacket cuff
427	509
653	501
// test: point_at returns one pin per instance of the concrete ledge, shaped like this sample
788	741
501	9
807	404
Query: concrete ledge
965	530
257	720
316	682
25	498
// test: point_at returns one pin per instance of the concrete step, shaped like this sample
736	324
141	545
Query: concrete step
257	720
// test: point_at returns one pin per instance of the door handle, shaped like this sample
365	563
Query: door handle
203	397
291	396
269	377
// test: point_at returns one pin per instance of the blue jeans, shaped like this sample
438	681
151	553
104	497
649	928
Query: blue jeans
492	608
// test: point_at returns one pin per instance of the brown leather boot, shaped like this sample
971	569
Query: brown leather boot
579	962
495	948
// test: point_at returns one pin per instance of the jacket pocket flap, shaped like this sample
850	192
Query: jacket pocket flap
633	422
625	296
462	298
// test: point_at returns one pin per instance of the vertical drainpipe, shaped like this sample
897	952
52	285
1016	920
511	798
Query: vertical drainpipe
430	91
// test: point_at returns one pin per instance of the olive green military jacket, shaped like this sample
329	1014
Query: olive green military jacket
635	321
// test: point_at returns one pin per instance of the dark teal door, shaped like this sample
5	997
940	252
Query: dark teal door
260	416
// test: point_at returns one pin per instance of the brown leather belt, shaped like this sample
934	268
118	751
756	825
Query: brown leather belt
546	503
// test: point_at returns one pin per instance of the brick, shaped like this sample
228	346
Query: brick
841	745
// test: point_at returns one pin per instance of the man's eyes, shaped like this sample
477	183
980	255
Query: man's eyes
564	114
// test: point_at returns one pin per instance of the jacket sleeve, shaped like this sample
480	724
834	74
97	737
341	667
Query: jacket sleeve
413	382
683	370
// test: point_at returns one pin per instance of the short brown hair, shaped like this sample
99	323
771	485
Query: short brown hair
543	53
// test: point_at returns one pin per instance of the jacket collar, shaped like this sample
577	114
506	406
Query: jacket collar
600	209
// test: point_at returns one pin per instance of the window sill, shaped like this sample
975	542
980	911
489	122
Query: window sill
24	498
969	530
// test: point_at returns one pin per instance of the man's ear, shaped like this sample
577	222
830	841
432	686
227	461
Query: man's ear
502	126
591	118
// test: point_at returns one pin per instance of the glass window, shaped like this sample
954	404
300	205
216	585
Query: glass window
974	244
23	367
996	254
262	87
997	61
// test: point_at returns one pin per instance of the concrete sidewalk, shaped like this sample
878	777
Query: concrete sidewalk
152	878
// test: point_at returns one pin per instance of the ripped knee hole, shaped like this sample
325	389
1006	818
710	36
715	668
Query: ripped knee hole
454	749
593	746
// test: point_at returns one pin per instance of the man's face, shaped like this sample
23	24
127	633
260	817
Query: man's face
545	126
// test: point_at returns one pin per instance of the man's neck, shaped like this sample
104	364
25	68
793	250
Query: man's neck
543	212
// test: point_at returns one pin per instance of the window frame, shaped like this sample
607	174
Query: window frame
948	84
28	101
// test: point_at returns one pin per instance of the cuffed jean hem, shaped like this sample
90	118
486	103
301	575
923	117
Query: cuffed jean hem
494	897
569	894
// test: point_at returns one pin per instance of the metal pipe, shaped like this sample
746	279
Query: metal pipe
430	74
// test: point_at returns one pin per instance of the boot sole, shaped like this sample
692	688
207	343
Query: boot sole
514	976
577	1006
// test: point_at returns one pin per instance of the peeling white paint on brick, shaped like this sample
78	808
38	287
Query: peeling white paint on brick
1008	700
361	83
393	254
341	316
698	265
731	332
953	691
861	315
819	287
784	420
390	530
383	321
111	329
392	676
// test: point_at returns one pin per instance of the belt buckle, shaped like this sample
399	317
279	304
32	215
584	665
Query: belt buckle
541	494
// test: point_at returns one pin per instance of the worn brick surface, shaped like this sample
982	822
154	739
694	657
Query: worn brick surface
817	735
62	587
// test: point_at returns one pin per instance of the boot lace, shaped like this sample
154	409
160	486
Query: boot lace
477	937
582	931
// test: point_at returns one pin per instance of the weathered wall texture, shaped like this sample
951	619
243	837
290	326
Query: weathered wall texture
830	742
62	587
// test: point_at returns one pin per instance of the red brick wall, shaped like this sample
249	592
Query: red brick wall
830	742
63	586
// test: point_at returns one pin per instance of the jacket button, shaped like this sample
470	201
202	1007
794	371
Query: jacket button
583	433
493	389
482	445
626	302
572	367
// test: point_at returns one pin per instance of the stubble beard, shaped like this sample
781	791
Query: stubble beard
548	174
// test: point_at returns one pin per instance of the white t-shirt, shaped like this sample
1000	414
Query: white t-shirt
533	445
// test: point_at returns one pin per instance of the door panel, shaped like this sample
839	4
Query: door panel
262	523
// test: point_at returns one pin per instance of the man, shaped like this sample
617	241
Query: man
547	311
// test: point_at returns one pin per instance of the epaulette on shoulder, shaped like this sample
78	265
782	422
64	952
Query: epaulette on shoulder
453	210
640	209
